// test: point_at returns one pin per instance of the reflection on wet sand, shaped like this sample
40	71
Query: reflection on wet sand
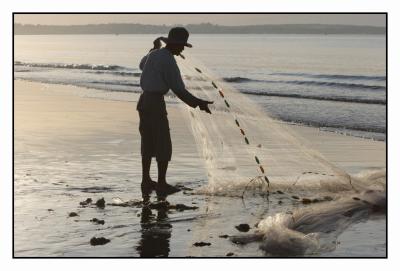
155	231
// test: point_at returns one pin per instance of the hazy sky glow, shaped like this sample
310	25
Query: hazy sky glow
222	19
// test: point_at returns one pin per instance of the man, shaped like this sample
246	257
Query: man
160	73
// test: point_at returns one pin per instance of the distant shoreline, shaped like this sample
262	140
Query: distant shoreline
110	34
126	29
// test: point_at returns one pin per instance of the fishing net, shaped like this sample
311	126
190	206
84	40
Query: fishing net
244	148
247	152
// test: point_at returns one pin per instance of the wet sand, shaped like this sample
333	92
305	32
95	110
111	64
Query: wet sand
70	148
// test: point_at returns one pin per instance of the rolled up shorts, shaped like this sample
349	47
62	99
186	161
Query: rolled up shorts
154	130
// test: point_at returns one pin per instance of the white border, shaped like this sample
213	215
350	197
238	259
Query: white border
7	7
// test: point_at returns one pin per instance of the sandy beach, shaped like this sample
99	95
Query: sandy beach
69	148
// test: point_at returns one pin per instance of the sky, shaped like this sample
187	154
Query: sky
221	19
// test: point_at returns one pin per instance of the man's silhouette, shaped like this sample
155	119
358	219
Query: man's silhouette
160	73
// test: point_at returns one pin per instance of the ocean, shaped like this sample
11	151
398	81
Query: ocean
334	82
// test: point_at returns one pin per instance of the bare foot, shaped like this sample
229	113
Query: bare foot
166	189
148	185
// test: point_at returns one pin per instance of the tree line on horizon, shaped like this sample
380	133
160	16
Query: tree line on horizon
204	28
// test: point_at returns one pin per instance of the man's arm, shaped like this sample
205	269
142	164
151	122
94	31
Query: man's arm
174	81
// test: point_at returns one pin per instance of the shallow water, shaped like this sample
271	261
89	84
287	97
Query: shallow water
53	174
56	171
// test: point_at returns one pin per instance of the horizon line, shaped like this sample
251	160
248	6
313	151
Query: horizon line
205	23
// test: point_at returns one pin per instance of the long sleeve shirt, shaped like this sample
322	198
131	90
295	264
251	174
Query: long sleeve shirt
160	73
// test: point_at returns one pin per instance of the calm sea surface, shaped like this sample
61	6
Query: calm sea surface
334	82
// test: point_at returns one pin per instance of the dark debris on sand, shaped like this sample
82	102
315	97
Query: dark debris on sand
131	203
201	244
306	201
101	203
165	205
86	202
97	221
99	241
183	207
316	200
224	236
243	227
72	214
183	188
230	254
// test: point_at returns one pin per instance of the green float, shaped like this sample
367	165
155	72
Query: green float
237	122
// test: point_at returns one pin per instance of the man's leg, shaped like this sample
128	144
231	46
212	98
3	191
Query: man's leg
162	171
147	183
163	188
146	163
163	156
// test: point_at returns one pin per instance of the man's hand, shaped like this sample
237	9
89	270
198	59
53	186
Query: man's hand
203	105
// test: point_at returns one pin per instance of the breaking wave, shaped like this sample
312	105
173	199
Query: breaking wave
69	66
334	76
116	84
239	79
319	98
120	73
331	84
308	83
